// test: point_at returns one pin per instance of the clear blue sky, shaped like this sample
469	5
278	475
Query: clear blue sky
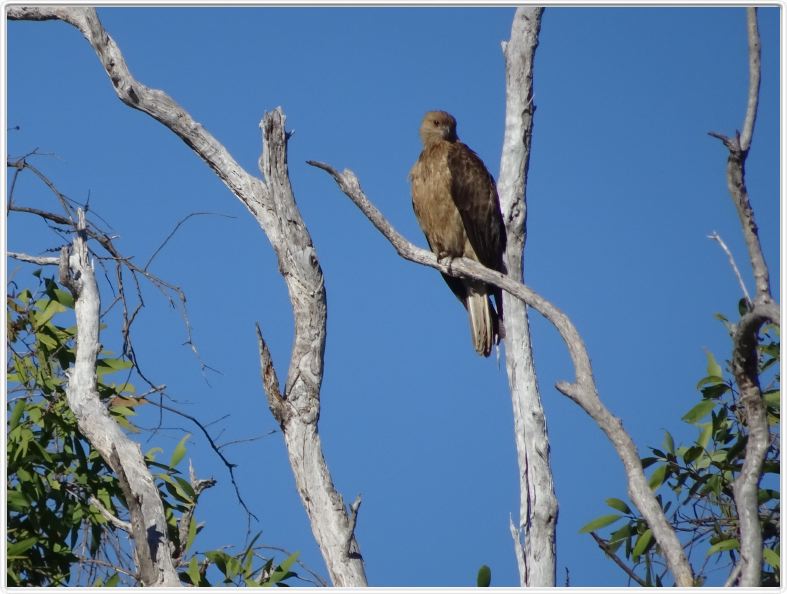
625	185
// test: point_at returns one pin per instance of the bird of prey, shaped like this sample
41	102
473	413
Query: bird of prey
455	201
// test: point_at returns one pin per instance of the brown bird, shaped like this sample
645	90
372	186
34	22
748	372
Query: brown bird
455	201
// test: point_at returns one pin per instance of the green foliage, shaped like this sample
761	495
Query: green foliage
694	481
484	577
52	472
56	536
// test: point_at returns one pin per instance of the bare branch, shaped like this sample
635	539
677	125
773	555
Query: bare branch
148	522
581	390
715	236
734	575
753	35
739	148
604	546
40	260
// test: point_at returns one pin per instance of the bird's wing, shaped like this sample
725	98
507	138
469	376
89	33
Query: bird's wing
475	195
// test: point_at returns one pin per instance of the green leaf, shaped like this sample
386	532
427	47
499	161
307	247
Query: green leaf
657	478
773	398
642	543
193	571
669	443
706	430
282	572
289	561
699	411
13	421
715	391
724	545
771	558
191	535
617	504
691	454
180	451
67	299
714	369
599	522
17	501
484	577
176	489
17	548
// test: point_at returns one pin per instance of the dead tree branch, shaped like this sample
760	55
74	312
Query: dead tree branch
763	310
538	508
272	204
716	237
582	390
604	546
148	522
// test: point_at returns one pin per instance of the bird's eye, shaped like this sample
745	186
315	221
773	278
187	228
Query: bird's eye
435	122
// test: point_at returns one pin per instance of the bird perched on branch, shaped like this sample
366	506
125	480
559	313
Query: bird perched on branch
455	201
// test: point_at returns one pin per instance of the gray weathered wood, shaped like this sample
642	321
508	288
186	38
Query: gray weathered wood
538	507
763	309
148	523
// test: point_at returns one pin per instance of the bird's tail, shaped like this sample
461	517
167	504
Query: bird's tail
483	320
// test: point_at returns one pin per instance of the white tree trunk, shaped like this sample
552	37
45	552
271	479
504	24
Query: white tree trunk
148	522
535	535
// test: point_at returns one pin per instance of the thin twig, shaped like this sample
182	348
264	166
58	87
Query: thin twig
715	236
736	572
611	554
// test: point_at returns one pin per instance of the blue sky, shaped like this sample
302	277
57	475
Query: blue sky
625	185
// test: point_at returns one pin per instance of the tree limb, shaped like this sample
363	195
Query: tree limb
538	507
581	390
745	359
40	260
738	147
148	522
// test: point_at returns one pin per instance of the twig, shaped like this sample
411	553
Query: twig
611	554
715	236
735	574
175	230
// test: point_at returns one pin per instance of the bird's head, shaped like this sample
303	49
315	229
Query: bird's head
436	126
